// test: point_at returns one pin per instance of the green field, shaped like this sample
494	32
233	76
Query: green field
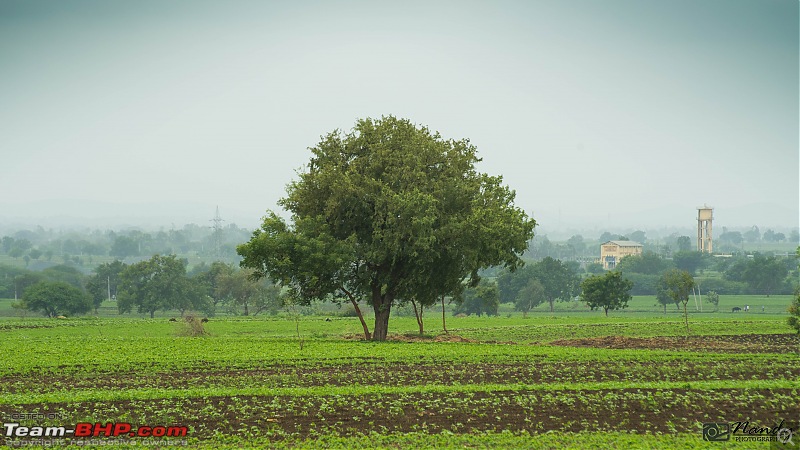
574	379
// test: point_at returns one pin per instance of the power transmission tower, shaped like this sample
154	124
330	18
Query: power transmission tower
216	235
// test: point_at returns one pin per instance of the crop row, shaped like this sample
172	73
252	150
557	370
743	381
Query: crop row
673	410
405	374
158	354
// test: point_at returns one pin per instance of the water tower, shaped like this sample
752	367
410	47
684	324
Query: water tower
704	217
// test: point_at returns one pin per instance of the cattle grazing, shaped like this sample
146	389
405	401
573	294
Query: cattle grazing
736	309
173	320
204	320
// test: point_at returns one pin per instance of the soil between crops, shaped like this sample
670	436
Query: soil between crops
631	410
392	374
738	343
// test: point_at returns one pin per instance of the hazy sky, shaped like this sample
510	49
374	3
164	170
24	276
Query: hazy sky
603	113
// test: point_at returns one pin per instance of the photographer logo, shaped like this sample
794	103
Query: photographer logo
716	432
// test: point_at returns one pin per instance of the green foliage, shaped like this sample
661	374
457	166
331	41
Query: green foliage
722	286
55	298
123	247
609	292
482	299
560	281
689	261
104	282
794	310
763	274
642	284
594	268
647	263
684	244
67	274
677	285
530	296
246	291
389	212
713	298
159	283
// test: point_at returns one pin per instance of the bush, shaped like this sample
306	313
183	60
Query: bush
794	310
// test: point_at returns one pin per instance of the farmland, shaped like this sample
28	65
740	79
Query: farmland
634	380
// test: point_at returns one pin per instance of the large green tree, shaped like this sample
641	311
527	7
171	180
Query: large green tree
609	291
389	212
560	283
54	298
159	283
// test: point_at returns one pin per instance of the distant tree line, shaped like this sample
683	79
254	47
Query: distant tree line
46	247
161	283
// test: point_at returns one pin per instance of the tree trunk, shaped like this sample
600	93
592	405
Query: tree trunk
606	310
551	304
686	316
367	334
246	311
418	315
444	321
152	314
381	328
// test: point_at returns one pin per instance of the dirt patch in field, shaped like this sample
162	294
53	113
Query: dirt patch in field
415	338
738	343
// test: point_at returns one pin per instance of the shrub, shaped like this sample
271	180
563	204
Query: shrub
193	326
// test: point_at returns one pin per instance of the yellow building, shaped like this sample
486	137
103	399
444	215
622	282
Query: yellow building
612	252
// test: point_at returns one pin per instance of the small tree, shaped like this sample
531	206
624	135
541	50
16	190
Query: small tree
678	284
609	291
713	298
54	298
529	297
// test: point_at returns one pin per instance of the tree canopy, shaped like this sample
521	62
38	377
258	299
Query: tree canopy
387	212
609	291
159	283
54	298
558	280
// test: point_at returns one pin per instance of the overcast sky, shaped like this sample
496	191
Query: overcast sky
599	113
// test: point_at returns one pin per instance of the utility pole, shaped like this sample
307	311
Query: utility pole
216	236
